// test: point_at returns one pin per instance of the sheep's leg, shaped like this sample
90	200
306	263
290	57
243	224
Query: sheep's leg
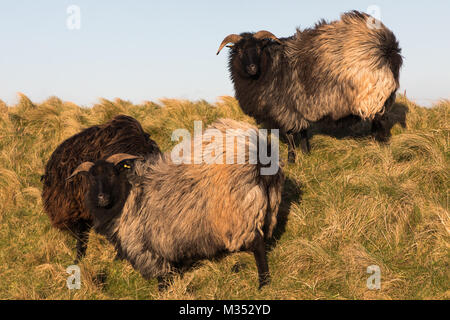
82	236
291	147
119	257
378	131
163	283
304	142
259	251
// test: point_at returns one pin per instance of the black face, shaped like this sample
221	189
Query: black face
105	183
248	51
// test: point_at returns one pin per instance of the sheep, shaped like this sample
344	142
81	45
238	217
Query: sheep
108	186
64	201
334	70
176	214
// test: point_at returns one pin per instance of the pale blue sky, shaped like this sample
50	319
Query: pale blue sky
144	50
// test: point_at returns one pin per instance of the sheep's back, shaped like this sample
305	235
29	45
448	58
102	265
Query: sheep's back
64	200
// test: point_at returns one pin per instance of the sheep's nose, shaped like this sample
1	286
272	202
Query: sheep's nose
252	69
103	199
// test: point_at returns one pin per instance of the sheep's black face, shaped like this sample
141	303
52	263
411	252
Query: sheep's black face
105	181
108	186
248	53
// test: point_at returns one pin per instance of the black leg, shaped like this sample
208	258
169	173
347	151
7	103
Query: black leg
291	147
259	251
118	257
163	283
304	142
379	132
82	236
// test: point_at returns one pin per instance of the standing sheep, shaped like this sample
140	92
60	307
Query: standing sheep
176	214
334	70
64	201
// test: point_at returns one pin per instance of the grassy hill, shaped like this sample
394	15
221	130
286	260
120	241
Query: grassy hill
351	204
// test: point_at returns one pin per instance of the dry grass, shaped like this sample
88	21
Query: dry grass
351	204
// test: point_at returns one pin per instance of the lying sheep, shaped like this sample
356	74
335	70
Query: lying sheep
64	201
176	214
334	70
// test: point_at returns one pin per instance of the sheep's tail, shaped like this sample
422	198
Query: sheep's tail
391	54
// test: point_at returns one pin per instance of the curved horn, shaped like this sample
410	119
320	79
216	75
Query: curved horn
232	38
84	167
264	34
119	157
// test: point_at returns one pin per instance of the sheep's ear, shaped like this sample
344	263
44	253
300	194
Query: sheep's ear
134	180
119	157
84	167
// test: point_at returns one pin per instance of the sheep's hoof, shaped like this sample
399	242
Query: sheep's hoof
118	257
162	287
163	284
264	281
305	147
381	138
78	259
291	157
